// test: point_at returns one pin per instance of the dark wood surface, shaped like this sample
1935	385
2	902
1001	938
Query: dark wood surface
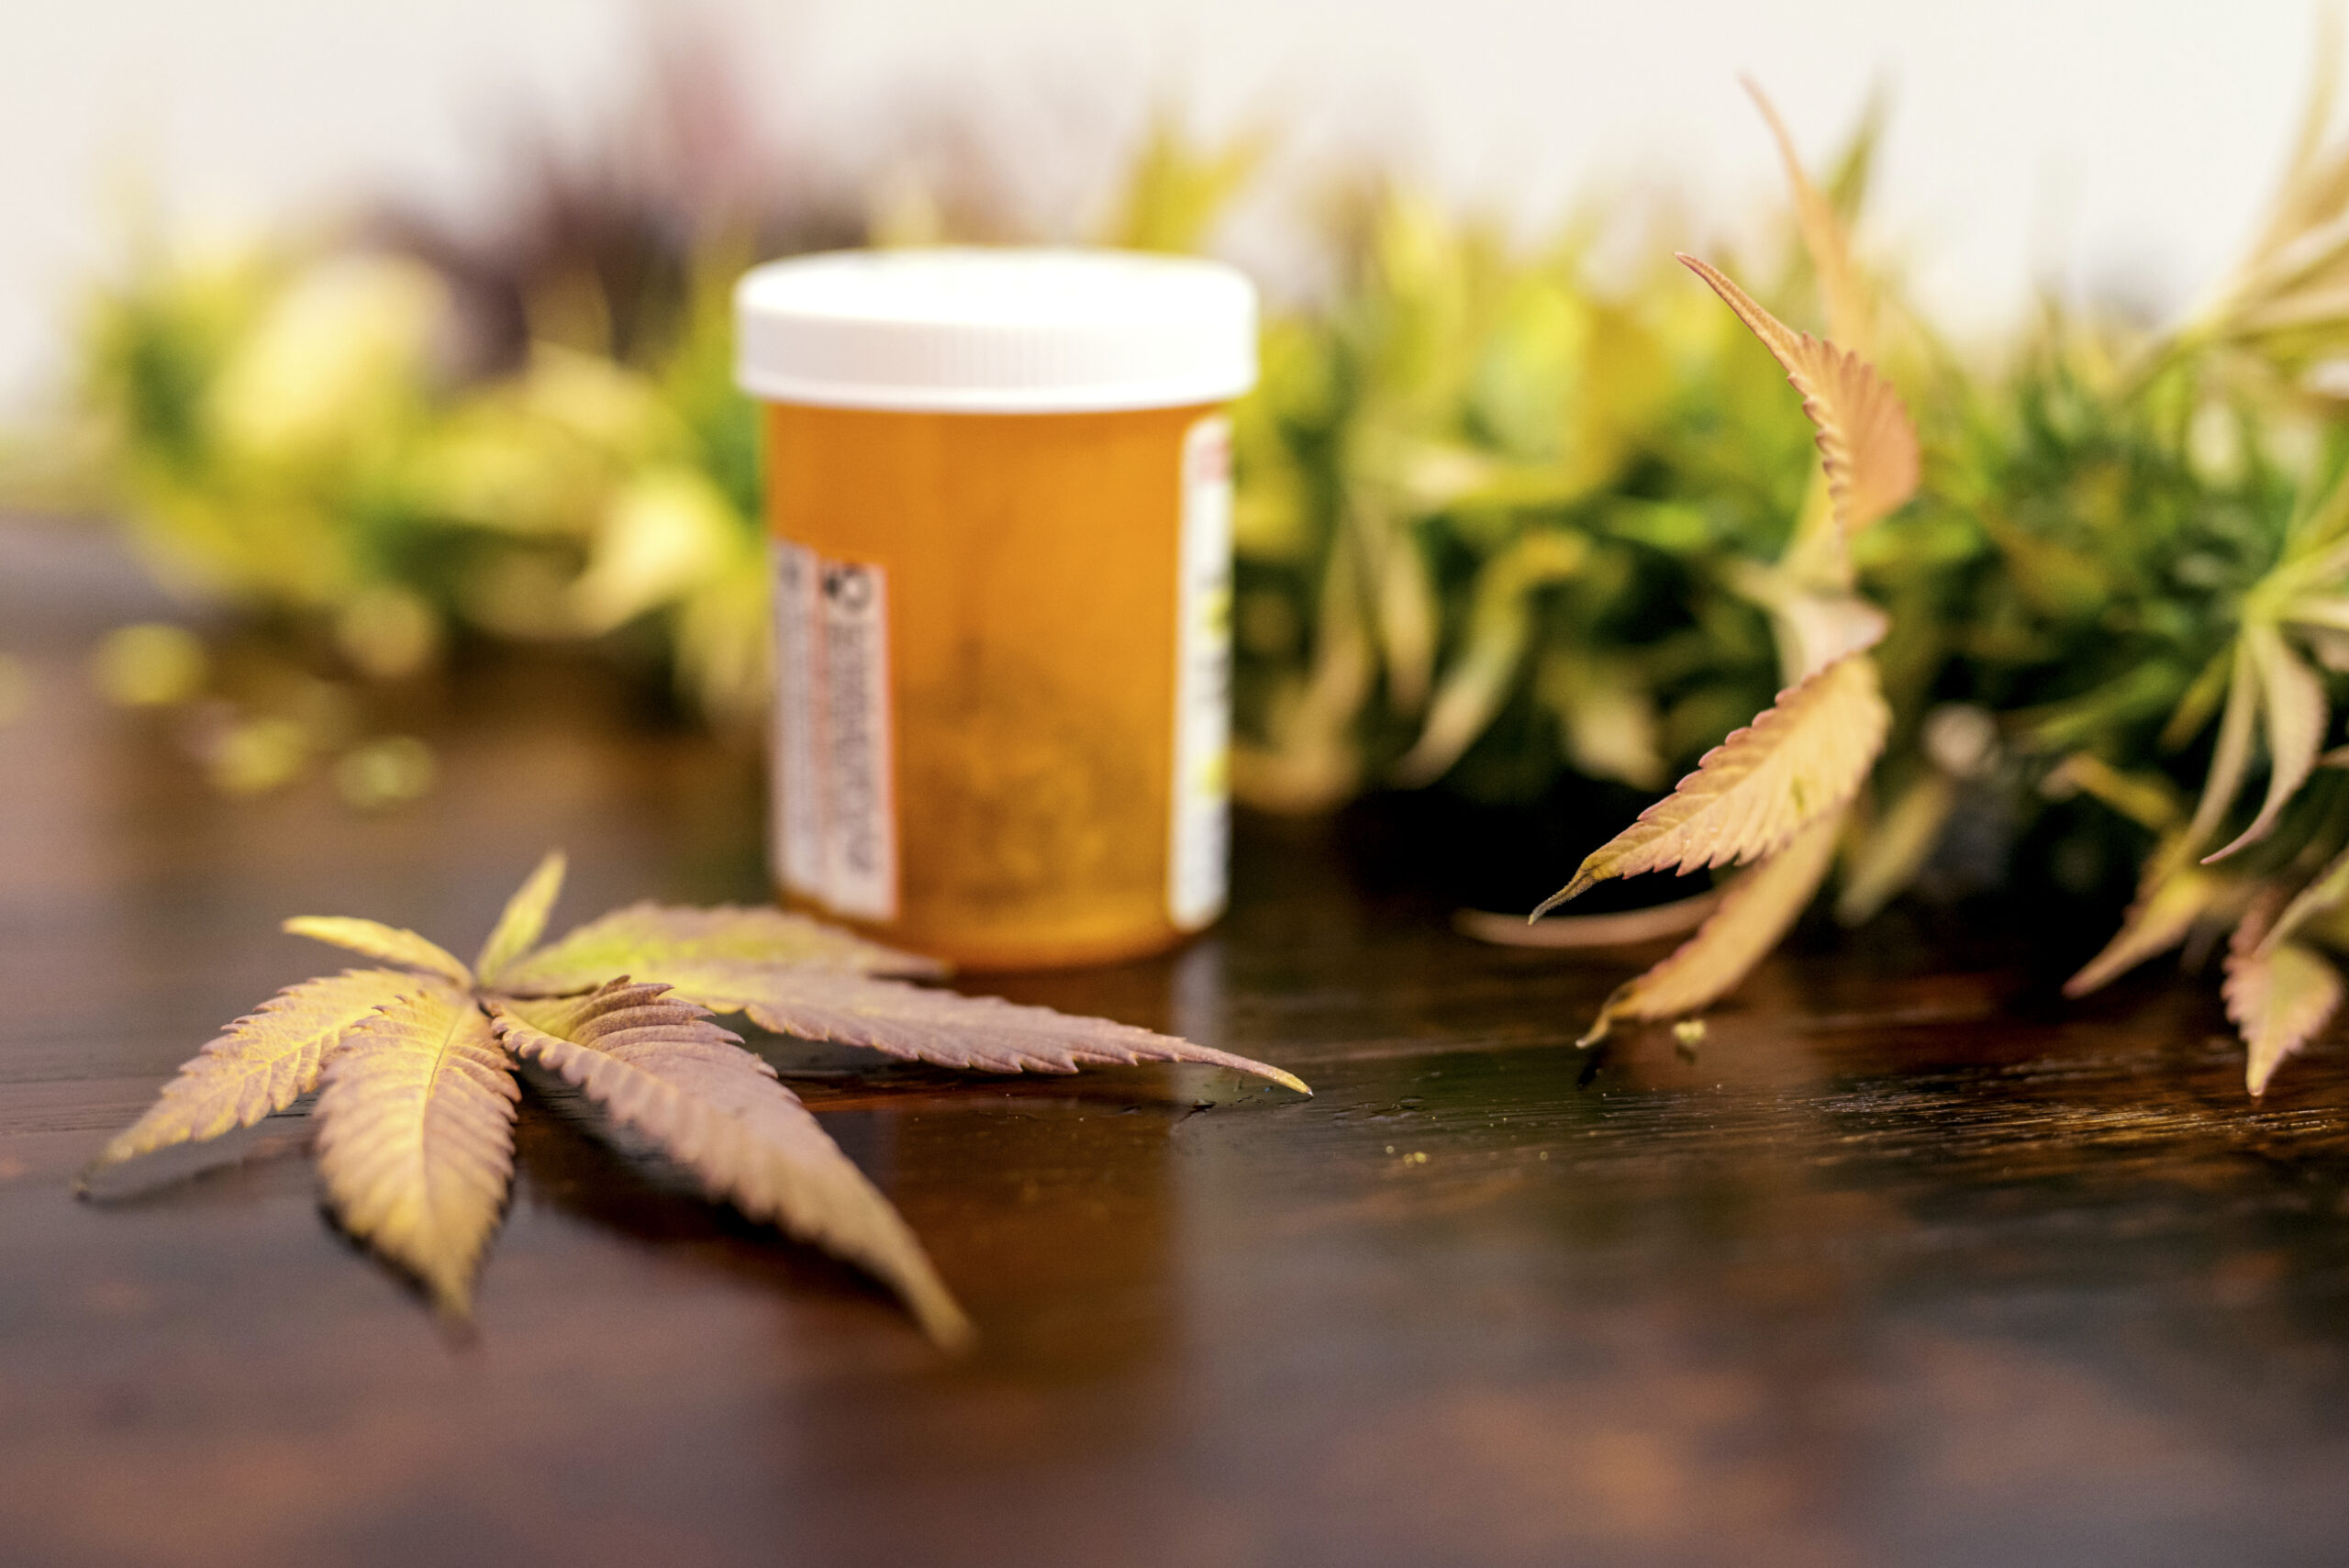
1906	1267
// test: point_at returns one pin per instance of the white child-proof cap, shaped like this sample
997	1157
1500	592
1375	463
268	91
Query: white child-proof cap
970	331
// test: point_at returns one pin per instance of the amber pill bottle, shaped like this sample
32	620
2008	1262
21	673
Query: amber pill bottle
998	487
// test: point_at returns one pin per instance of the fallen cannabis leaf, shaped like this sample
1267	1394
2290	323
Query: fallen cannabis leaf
416	1068
262	1063
673	940
523	920
416	1135
387	943
797	976
660	1066
950	1030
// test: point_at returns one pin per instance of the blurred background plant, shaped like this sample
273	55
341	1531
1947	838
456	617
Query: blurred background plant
1513	523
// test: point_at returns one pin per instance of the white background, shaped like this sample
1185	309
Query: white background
2121	145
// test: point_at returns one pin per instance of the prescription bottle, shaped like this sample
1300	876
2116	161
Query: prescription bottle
999	494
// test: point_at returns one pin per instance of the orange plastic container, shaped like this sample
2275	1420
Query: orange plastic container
999	488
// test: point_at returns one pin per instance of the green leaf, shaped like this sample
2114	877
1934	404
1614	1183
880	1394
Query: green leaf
1499	628
2231	757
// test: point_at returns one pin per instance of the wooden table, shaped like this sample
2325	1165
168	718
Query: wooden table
1907	1267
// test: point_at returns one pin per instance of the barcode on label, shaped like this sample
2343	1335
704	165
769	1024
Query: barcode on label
835	811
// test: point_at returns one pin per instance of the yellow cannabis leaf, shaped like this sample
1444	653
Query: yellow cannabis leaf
416	1107
670	941
1624	929
1850	309
943	1028
2278	997
1866	440
2173	899
524	920
1801	760
388	944
1754	913
260	1064
658	1065
416	1136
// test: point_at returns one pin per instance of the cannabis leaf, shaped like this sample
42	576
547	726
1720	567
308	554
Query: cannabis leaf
2173	900
1849	306
2289	293
660	1066
1779	790
1894	849
416	1135
388	944
1753	913
985	1033
415	1065
1501	626
523	920
1867	443
725	960
2324	894
2279	996
674	941
1751	795
262	1063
